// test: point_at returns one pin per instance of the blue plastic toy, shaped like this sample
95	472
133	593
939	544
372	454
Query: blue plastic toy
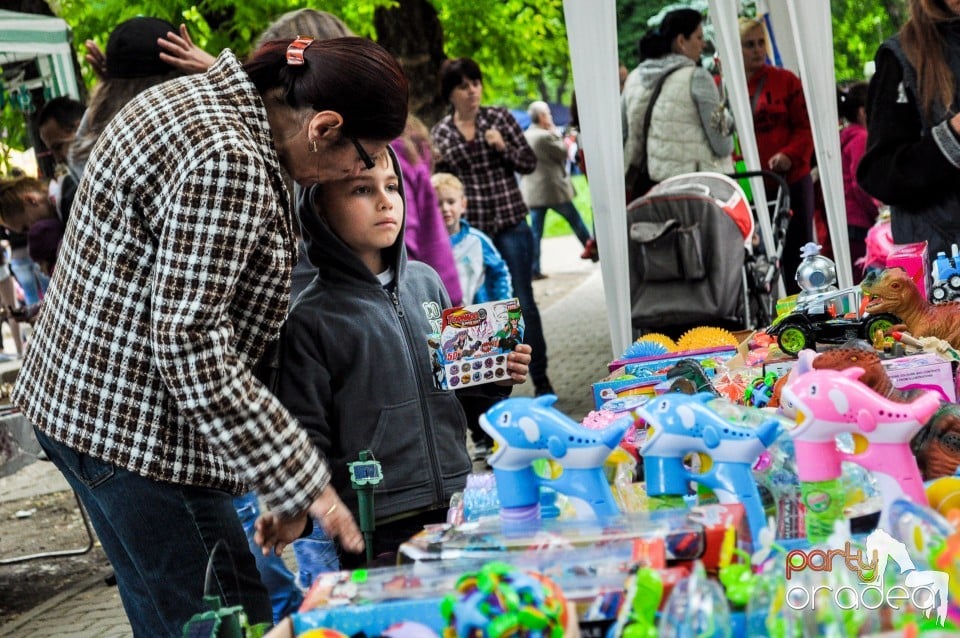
681	426
525	430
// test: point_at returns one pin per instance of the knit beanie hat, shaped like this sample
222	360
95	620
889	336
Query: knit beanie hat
132	50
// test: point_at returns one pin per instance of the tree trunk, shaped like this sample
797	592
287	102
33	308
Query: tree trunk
413	34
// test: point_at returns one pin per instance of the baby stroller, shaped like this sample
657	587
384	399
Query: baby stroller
692	258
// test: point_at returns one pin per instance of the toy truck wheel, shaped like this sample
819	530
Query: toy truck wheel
954	282
793	339
879	322
940	293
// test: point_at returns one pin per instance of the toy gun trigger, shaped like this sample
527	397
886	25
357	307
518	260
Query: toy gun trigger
706	462
860	444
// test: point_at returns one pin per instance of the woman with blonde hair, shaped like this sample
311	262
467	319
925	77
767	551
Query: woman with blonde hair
913	151
784	138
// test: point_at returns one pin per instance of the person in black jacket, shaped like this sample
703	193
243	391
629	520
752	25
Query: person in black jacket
912	161
355	367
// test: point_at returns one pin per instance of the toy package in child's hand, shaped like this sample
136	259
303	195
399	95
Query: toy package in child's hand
474	343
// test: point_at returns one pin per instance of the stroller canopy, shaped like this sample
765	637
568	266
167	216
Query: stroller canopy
724	191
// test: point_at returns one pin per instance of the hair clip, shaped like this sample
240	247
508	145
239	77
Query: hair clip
296	49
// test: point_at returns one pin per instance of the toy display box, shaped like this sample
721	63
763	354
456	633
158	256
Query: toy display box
631	377
370	601
474	342
925	371
660	537
914	260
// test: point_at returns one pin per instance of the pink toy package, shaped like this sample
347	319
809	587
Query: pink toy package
914	260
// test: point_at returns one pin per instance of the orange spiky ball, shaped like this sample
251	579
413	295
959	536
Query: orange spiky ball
706	337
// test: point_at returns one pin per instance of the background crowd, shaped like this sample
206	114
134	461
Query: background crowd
206	208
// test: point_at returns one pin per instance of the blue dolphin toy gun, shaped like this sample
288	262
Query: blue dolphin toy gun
525	430
681	426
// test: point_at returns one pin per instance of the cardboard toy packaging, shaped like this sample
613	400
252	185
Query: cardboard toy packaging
631	377
924	371
914	260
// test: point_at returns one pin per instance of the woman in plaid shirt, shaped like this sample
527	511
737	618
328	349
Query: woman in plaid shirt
173	276
484	146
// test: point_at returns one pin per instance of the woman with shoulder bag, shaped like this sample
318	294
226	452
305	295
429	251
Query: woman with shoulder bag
675	121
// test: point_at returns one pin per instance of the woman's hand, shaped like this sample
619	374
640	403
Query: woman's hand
494	138
96	59
180	52
518	363
274	533
336	520
780	163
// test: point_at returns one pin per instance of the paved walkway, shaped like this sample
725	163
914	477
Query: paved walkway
573	309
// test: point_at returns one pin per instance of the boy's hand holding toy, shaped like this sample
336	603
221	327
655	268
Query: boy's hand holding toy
274	533
518	364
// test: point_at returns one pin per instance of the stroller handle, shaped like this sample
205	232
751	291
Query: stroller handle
780	218
783	189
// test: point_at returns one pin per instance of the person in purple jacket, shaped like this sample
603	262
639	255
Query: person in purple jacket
425	235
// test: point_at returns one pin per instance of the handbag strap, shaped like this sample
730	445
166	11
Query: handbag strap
648	116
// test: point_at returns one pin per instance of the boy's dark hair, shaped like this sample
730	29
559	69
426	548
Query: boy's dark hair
65	111
453	72
850	99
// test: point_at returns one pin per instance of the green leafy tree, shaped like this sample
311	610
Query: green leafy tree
520	44
859	28
633	18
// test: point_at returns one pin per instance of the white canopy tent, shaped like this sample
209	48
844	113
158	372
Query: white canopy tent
26	36
592	35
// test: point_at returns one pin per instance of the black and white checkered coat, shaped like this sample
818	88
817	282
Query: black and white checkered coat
173	276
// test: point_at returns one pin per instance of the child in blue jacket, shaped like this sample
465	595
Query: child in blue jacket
483	273
484	276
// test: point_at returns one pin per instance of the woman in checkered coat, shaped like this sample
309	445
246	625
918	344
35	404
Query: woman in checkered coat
173	276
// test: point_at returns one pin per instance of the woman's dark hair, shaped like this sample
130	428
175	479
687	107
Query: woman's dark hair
355	77
453	72
657	42
925	48
65	111
850	99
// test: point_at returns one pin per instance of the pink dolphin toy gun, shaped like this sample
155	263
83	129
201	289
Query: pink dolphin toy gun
833	402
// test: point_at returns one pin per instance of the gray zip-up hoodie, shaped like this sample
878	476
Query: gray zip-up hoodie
356	371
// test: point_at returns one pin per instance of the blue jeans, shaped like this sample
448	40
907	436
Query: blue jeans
33	282
516	247
285	596
566	210
315	554
159	538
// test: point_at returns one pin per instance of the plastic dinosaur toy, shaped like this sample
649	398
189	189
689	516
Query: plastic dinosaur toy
937	445
893	291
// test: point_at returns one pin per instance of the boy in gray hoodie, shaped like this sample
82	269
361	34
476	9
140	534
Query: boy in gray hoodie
355	367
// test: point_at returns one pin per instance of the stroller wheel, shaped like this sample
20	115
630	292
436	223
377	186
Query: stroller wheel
793	339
